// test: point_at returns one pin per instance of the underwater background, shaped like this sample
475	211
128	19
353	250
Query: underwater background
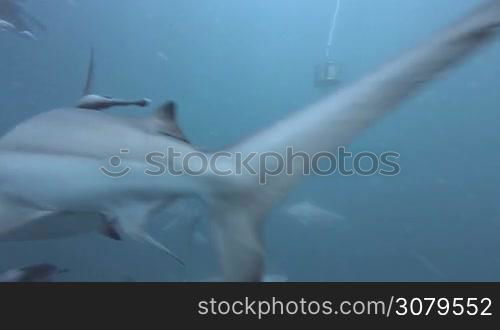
235	66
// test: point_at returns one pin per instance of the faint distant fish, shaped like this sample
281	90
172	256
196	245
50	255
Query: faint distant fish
308	214
429	265
200	238
93	101
35	273
162	56
27	35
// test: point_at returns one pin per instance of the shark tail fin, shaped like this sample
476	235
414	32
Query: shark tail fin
239	208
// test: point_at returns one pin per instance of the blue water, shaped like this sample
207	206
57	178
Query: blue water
236	66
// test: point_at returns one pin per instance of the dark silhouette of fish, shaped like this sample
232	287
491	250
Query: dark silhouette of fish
36	273
13	12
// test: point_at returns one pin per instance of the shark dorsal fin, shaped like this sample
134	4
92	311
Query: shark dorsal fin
166	120
89	84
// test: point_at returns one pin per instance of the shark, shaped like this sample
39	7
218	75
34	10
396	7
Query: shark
93	101
18	19
52	185
43	272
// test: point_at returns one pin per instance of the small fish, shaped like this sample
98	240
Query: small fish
36	273
309	214
428	264
162	56
98	102
92	101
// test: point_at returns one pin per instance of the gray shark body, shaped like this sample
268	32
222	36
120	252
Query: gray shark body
51	185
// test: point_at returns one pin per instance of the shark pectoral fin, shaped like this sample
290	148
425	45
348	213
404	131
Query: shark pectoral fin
136	232
149	239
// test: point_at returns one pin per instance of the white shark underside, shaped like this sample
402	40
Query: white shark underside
49	165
